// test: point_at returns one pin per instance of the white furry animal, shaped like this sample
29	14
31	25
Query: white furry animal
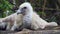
11	21
31	20
8	21
26	18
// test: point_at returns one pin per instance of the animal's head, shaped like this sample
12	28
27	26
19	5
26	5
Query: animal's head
25	8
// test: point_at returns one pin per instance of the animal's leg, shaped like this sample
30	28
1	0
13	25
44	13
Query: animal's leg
52	24
8	26
14	26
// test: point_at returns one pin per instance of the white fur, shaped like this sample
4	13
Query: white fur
12	21
34	19
31	17
40	23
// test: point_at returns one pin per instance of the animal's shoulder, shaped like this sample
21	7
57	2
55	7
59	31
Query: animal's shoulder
35	16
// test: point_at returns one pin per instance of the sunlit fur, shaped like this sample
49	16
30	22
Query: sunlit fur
11	20
14	21
31	18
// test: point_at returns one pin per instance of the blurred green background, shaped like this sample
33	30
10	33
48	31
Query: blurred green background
49	10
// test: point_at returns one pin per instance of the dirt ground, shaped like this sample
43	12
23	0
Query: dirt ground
47	30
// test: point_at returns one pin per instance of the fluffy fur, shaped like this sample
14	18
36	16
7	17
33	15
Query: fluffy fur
26	18
11	21
31	20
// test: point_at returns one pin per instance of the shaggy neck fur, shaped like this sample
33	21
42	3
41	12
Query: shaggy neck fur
27	18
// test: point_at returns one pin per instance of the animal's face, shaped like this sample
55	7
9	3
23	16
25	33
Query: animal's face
25	8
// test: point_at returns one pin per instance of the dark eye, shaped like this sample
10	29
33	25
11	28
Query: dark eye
25	7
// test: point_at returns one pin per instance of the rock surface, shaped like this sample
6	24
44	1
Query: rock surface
47	30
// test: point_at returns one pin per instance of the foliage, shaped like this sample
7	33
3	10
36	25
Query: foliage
4	6
38	5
